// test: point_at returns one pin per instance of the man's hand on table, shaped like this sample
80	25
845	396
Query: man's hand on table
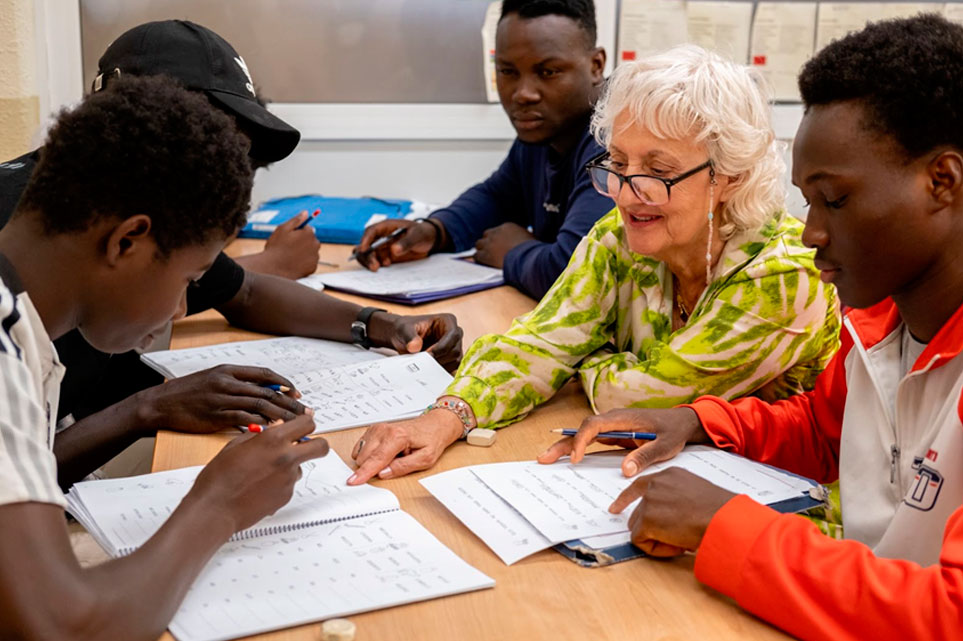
221	397
438	334
496	242
390	450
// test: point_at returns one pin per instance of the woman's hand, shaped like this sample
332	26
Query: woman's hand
390	450
673	428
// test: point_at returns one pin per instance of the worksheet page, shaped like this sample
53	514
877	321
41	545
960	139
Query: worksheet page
329	571
440	272
287	356
380	390
491	518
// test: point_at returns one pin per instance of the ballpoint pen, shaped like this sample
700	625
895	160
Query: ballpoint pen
638	436
381	242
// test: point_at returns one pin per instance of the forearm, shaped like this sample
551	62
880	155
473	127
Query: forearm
47	595
142	592
92	441
274	305
781	568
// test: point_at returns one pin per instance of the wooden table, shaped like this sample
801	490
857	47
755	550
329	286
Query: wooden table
545	596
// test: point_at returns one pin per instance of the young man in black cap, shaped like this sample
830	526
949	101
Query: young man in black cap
108	402
134	195
549	77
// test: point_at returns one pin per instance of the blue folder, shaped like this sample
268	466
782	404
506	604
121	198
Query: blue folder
342	220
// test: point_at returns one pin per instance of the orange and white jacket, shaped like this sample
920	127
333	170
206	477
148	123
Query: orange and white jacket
896	446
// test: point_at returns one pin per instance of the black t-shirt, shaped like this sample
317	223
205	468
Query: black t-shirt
94	379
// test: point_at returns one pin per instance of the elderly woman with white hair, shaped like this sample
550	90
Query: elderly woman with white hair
696	283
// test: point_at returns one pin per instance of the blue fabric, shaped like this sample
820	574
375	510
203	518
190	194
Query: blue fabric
535	188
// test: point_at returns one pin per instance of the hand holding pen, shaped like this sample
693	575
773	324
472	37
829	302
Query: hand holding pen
649	435
395	241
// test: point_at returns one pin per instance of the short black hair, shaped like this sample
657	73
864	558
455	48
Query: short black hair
581	11
147	146
908	75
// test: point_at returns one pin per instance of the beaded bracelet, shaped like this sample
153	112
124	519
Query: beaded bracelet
460	409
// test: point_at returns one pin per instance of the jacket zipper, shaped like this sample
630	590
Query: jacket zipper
894	462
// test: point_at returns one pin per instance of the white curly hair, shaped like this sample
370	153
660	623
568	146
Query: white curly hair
688	92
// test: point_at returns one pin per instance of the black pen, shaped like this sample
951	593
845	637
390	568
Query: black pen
381	242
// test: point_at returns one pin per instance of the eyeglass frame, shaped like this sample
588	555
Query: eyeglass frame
595	163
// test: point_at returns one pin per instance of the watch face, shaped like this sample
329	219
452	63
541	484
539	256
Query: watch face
359	332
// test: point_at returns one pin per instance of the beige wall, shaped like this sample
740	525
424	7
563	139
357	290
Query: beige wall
19	103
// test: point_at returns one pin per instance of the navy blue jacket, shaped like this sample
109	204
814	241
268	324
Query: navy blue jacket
534	187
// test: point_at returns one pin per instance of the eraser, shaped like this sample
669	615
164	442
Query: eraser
482	437
337	630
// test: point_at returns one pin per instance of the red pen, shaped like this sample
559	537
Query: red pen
308	219
254	428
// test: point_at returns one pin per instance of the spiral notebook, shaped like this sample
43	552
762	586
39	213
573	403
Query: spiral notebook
332	551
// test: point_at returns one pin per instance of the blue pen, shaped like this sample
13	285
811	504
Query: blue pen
307	220
257	429
284	389
638	436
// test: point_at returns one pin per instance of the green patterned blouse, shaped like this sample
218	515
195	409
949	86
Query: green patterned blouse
765	326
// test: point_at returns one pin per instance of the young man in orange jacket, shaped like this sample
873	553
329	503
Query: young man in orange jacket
879	156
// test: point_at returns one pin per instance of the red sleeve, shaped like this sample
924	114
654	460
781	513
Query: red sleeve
782	569
799	434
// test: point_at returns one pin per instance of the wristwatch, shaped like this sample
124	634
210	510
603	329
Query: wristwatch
359	328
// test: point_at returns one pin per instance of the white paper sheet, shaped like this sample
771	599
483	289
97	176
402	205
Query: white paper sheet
320	573
287	356
486	514
836	19
387	389
489	26
783	35
130	510
313	281
440	272
565	501
953	11
650	26
720	26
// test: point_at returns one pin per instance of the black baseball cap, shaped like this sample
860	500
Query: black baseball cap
202	61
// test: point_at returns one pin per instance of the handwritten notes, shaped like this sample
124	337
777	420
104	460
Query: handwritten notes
440	272
332	551
528	507
379	390
286	356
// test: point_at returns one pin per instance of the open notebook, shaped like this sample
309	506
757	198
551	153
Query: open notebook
345	385
333	550
524	507
434	278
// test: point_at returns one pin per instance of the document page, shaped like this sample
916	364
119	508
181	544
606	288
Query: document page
564	501
650	26
287	356
783	35
722	27
330	571
486	514
440	272
381	390
121	514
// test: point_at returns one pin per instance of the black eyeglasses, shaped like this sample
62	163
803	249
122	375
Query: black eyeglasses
652	190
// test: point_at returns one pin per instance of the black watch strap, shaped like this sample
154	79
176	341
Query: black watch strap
359	328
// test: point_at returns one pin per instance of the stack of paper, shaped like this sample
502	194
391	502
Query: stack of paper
421	281
333	551
521	508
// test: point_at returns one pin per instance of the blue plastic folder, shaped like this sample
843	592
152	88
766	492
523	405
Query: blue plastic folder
342	220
